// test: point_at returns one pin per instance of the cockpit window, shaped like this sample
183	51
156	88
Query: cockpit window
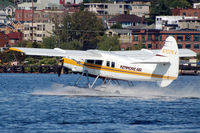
97	62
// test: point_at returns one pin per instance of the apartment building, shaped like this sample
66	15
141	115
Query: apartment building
37	31
102	9
40	16
155	39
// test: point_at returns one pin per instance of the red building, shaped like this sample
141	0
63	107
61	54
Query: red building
154	39
23	15
14	38
186	12
3	39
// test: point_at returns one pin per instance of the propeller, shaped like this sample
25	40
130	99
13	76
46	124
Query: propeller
60	67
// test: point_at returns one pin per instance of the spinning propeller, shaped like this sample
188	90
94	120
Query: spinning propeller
60	67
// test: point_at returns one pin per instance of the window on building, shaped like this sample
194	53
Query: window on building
180	46
196	46
43	27
195	14
135	37
120	6
149	38
188	37
156	37
196	38
108	63
188	46
184	13
149	45
143	38
113	64
106	6
179	38
160	37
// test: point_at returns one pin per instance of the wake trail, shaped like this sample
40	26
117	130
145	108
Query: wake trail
138	92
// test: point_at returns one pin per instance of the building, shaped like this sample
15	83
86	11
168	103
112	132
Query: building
3	39
14	38
154	39
125	36
126	20
3	17
189	12
189	24
46	4
40	16
102	9
9	10
169	22
6	28
38	31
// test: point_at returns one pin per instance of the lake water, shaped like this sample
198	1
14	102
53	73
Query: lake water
43	103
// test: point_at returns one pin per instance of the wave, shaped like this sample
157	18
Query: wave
139	92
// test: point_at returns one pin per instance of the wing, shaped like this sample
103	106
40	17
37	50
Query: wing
57	52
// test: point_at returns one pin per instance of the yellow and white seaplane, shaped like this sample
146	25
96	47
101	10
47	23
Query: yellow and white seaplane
161	66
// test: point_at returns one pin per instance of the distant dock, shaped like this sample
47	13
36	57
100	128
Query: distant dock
183	69
31	69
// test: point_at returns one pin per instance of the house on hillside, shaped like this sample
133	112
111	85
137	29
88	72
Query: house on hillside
126	20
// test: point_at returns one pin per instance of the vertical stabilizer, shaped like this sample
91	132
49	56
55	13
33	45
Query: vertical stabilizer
170	50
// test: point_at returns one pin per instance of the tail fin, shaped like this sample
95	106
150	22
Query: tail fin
170	50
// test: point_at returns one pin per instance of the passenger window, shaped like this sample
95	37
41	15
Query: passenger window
90	61
98	62
113	64
108	63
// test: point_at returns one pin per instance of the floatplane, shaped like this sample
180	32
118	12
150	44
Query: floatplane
161	66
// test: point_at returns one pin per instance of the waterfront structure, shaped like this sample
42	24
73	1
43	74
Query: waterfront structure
153	38
102	9
38	31
126	20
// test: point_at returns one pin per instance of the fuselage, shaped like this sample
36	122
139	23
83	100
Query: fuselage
117	67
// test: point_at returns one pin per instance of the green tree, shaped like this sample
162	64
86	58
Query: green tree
108	43
73	45
163	7
84	27
116	26
49	42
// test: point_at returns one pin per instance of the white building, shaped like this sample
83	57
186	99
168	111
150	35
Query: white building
168	21
39	30
45	4
196	5
3	18
117	8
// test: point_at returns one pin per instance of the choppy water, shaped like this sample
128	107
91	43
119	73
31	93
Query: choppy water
43	103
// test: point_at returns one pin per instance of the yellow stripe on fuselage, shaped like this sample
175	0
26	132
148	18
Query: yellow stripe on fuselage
116	70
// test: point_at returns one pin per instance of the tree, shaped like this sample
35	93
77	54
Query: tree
108	43
163	7
84	27
116	26
49	42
